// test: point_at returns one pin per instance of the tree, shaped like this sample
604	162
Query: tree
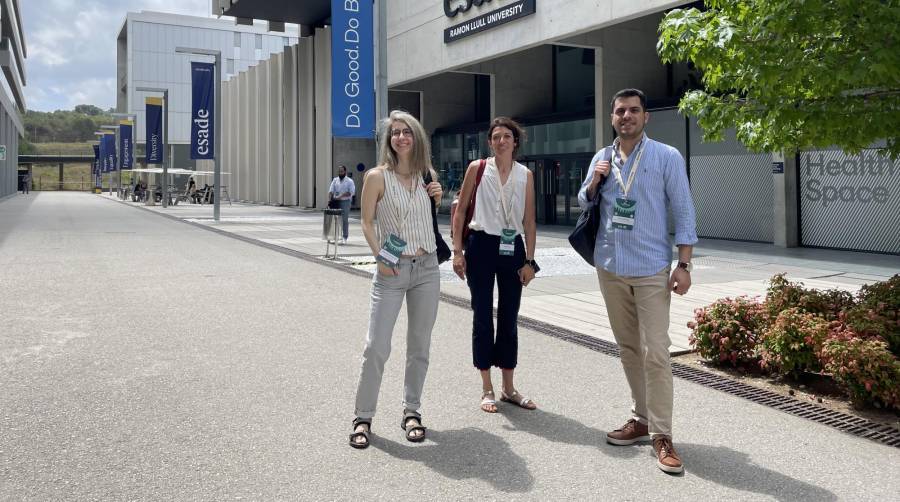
88	109
792	74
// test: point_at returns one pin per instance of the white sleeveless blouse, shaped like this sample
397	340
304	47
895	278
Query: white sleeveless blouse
417	230
489	215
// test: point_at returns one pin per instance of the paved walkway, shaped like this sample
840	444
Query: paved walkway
144	359
566	293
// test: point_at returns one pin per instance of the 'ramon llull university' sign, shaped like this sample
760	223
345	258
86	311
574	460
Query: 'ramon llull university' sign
490	20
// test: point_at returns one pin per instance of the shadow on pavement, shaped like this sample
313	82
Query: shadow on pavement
727	467
468	453
562	429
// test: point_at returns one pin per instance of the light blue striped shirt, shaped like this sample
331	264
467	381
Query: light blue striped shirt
661	184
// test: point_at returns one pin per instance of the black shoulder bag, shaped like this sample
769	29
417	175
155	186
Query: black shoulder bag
584	237
443	250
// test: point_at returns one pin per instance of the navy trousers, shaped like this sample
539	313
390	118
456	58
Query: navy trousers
483	265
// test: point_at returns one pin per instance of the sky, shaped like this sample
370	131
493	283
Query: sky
72	48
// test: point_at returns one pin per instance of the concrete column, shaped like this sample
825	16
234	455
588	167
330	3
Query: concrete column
276	130
245	183
323	143
289	129
786	227
602	131
306	125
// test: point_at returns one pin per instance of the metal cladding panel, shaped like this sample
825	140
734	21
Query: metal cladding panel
850	202
733	196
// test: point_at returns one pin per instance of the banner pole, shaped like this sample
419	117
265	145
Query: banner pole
217	134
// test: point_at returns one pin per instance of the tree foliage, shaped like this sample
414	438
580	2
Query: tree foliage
65	126
792	74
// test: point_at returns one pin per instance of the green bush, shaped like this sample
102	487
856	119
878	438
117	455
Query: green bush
878	312
792	342
728	330
783	294
864	367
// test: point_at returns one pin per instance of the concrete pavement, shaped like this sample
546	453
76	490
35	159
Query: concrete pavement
144	360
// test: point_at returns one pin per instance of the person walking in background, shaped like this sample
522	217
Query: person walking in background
397	224
26	183
633	255
342	190
504	212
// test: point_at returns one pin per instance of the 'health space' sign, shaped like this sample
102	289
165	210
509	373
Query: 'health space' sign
202	102
352	69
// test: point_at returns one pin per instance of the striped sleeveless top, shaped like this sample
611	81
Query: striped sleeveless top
398	202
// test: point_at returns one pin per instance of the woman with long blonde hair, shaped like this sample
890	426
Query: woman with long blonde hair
396	222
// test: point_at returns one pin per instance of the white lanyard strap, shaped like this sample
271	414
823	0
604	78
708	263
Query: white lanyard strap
634	167
507	209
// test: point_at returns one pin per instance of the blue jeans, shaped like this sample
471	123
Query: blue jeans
345	217
483	264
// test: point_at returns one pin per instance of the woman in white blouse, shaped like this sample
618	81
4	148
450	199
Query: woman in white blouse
494	248
396	222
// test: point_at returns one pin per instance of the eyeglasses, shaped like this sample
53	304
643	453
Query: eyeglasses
396	133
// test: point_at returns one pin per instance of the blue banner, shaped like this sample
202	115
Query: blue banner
154	138
110	151
126	144
352	69
202	103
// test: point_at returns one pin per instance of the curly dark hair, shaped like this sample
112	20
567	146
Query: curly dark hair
517	131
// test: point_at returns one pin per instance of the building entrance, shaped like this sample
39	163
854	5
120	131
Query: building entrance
557	181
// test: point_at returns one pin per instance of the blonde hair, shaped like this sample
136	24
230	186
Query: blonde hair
421	149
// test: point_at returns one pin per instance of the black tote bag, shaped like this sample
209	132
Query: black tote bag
584	237
443	250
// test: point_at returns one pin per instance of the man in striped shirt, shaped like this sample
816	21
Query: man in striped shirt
637	182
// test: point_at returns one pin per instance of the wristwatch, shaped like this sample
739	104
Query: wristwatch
534	265
686	265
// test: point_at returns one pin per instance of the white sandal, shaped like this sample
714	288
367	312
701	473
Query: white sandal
518	400
488	401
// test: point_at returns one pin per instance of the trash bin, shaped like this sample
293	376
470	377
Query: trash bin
331	228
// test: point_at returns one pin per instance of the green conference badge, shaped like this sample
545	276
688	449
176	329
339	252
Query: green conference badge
623	214
391	250
507	242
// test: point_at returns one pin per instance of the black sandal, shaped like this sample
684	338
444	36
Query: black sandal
354	435
411	429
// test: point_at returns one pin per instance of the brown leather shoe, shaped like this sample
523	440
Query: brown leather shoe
666	457
630	433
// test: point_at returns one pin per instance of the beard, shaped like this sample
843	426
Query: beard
341	176
636	132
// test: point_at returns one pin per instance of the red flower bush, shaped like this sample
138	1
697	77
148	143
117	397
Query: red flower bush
727	331
864	367
878	312
792	343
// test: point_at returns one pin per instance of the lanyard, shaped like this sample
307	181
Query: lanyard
507	209
412	195
634	166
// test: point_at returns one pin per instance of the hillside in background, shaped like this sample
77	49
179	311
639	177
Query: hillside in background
63	131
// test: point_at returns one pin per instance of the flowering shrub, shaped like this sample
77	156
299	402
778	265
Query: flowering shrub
793	341
783	294
878	312
863	366
728	330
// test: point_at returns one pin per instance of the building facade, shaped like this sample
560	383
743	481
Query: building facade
12	96
146	58
553	66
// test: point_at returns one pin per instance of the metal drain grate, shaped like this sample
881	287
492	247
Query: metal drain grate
856	426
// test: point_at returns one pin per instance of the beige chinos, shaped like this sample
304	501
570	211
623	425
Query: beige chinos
419	282
638	309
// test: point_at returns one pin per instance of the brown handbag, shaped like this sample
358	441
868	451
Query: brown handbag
470	209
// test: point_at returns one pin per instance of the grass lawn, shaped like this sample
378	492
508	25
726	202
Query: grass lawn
76	176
